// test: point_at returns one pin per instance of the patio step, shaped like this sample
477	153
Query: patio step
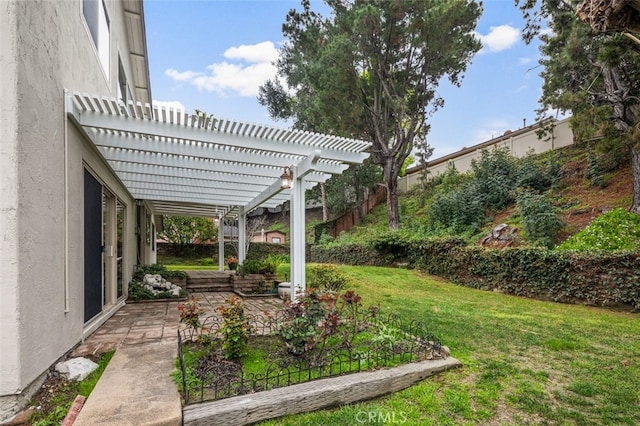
205	281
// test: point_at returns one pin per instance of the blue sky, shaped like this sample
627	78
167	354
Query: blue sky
213	55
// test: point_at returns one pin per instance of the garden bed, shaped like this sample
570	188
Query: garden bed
304	342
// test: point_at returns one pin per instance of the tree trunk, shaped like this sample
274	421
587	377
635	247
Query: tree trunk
635	166
393	216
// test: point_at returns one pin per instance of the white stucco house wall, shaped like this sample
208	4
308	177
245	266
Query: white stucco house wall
87	163
46	168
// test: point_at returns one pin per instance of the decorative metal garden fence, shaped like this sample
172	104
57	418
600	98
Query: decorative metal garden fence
387	342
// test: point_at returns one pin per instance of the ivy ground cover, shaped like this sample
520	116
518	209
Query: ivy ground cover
526	362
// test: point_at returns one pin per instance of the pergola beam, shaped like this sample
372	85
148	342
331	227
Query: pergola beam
288	140
196	149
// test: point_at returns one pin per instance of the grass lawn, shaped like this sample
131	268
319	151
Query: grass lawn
525	361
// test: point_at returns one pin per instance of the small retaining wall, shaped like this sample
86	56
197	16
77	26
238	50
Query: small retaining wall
251	283
314	395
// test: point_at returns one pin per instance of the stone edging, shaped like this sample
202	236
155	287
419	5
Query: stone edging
314	395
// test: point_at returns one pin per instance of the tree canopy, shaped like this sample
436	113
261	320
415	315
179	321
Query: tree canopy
187	230
371	72
593	74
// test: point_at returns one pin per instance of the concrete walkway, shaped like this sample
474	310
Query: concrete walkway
136	387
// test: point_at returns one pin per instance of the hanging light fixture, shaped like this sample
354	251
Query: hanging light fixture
286	179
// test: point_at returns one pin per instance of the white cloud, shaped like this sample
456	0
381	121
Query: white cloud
247	68
255	53
499	38
181	76
169	104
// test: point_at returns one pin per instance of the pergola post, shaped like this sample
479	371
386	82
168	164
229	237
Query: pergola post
297	235
220	243
242	234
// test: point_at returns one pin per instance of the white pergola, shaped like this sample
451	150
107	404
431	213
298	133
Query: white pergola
194	165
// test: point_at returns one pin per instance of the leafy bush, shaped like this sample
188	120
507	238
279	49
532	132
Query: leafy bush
190	313
249	266
539	218
235	328
300	329
327	277
533	176
458	210
614	230
269	265
495	177
461	202
349	254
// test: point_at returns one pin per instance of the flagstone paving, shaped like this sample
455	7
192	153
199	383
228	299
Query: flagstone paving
155	322
136	388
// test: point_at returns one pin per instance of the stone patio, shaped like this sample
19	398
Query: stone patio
136	388
155	322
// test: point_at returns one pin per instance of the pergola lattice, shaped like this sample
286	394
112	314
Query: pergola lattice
197	165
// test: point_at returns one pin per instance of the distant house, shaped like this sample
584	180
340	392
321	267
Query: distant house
519	143
273	237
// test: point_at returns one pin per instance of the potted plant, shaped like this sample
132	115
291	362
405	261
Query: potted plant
232	262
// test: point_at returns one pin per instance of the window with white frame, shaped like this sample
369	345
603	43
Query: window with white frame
124	92
97	19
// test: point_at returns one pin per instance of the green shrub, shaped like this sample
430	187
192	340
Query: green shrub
531	175
235	328
349	254
327	277
539	219
495	177
458	210
270	264
598	279
461	202
614	230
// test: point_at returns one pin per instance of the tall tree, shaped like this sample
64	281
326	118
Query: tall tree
342	193
593	73
371	71
187	230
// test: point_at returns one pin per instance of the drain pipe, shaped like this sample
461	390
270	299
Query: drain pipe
66	203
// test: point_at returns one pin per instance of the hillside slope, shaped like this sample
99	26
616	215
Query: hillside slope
578	196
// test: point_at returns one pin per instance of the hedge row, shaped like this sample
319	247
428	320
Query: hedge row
199	251
351	254
596	279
